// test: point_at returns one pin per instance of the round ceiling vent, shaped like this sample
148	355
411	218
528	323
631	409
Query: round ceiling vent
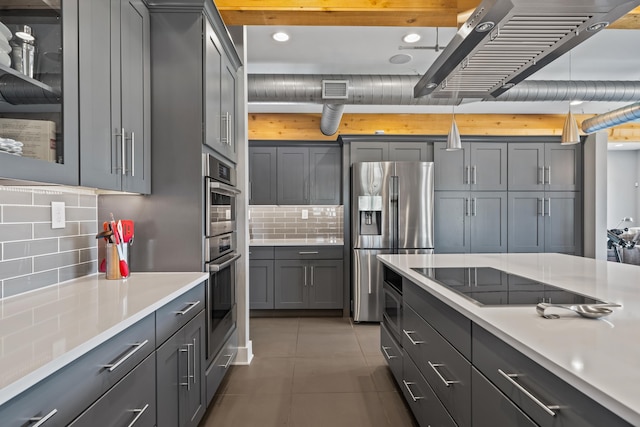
401	58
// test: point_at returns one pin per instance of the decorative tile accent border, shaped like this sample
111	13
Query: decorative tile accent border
34	255
285	222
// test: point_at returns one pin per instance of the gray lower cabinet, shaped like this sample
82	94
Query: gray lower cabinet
130	402
470	221
115	107
180	376
261	284
263	166
478	166
544	167
545	222
308	278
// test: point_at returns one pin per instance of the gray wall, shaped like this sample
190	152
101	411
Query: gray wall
32	254
622	190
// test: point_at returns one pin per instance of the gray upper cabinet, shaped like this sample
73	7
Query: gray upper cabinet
470	222
263	166
293	176
324	175
545	166
478	166
545	222
114	95
220	101
47	104
377	151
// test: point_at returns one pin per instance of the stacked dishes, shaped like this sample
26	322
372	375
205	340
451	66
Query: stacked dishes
10	146
5	48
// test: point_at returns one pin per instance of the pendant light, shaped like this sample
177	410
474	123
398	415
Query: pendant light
453	138
570	134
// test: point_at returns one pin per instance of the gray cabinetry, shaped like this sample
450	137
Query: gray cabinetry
263	167
180	376
47	104
544	222
219	367
477	166
400	151
308	278
470	221
293	176
261	278
544	167
130	402
114	95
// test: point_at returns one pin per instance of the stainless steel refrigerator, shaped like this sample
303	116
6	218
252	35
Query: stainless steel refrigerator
392	213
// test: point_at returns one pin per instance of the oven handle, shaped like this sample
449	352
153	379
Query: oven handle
223	188
224	264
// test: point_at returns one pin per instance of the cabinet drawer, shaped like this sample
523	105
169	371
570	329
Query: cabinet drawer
261	252
492	408
174	315
309	252
449	323
447	371
421	399
131	402
84	380
220	365
540	394
392	353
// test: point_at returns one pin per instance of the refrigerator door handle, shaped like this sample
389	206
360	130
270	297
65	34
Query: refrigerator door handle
393	212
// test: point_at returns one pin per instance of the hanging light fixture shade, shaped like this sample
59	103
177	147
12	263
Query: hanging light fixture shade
570	134
453	138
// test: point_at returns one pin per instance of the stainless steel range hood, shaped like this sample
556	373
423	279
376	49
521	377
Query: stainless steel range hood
505	41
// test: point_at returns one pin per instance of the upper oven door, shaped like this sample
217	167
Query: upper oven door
220	206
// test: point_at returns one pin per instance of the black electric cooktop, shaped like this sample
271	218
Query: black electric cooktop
490	286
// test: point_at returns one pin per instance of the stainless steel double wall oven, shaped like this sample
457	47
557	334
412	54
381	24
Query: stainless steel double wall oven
220	251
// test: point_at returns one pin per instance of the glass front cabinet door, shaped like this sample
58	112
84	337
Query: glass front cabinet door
39	91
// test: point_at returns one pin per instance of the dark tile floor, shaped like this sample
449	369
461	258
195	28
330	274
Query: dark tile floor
310	372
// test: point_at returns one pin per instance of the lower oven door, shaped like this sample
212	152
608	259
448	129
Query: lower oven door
221	302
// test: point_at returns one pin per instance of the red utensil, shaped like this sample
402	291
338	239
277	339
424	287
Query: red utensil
127	230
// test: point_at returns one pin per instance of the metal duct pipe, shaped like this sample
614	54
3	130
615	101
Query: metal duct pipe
612	118
364	89
330	120
569	90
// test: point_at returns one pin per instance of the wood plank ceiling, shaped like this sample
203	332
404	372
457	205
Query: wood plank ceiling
406	13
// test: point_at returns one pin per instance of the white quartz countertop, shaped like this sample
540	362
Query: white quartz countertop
599	357
319	241
44	330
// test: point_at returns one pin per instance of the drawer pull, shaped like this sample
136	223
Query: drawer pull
136	347
138	413
308	253
414	397
186	310
546	408
42	420
384	350
435	367
226	365
408	334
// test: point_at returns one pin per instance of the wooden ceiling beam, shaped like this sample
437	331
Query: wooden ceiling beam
288	126
397	13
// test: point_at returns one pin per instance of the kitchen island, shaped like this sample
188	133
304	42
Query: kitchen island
597	357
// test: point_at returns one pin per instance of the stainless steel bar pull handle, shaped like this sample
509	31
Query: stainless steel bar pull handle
408	334
228	128
305	275
138	413
133	153
42	420
312	275
122	146
475	175
549	176
307	252
195	377
541	175
546	408
435	367
413	396
190	306
474	206
549	208
186	350
467	206
540	207
137	346
387	355
467	173
230	358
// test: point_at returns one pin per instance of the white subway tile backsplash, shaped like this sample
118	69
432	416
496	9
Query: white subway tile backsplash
282	222
34	255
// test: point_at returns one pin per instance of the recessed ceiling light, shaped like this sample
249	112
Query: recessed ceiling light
401	58
280	36
576	102
411	38
618	145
